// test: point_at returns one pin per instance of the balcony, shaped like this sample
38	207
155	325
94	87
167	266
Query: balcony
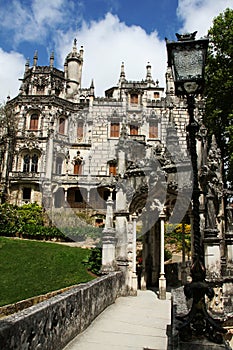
19	175
138	138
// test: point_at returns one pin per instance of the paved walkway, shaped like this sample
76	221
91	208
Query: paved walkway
131	323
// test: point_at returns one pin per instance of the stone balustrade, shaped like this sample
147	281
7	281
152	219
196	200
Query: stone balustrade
51	324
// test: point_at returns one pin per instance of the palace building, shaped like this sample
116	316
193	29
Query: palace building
116	157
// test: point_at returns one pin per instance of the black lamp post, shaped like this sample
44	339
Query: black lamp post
187	57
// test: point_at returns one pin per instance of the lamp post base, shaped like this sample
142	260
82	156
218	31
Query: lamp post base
162	287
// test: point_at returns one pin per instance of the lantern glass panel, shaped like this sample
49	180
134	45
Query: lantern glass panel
188	64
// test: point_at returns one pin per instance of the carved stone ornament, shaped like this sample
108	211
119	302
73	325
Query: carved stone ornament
198	322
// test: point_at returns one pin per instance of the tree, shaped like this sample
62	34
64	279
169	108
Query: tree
8	131
219	89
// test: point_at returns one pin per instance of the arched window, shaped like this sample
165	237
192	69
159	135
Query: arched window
133	130
34	163
61	128
59	162
30	163
26	163
34	121
112	169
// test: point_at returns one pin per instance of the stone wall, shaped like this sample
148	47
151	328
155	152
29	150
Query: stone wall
50	325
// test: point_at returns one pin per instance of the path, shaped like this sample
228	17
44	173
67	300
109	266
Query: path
131	323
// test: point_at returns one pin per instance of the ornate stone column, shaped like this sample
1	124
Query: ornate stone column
109	240
162	279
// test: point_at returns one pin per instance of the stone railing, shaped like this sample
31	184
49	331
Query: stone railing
51	324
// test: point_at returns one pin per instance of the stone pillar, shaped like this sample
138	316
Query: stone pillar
109	240
162	279
144	258
49	156
121	224
132	255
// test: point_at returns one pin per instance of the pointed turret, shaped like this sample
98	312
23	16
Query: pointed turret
74	61
27	64
148	72
35	58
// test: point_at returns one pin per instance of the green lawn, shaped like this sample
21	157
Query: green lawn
30	268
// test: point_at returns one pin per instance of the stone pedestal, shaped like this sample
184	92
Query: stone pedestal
212	254
162	287
108	251
180	307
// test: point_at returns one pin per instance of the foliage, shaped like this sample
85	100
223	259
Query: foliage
94	260
85	217
26	221
30	268
167	254
174	236
81	233
219	84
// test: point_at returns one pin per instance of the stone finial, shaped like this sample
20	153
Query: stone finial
75	46
51	59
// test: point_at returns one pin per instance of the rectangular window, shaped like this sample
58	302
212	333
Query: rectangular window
156	94
115	130
133	130
77	169
61	128
34	122
80	130
134	98
26	194
40	90
153	130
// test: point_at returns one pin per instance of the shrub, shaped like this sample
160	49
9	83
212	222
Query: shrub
94	261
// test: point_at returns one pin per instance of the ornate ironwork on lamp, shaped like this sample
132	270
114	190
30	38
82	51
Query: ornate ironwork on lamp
186	58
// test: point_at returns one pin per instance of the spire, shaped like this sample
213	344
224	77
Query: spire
148	72
92	88
122	75
51	59
35	58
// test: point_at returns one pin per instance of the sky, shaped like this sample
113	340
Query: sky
110	31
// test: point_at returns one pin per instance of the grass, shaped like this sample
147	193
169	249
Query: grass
30	268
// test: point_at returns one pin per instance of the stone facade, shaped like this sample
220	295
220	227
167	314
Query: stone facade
65	148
